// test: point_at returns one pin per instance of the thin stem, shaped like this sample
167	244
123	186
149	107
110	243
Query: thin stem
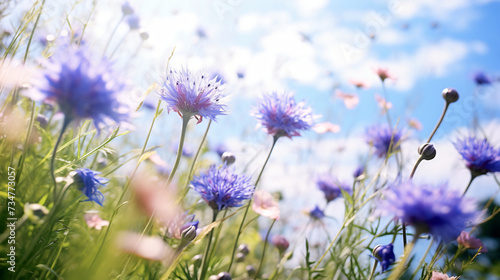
191	169
472	177
185	120
423	259
204	265
373	270
264	250
439	122
404	235
125	188
111	36
386	100
54	152
119	44
419	160
275	139
398	271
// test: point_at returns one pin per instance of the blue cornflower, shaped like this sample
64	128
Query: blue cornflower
331	187
82	87
88	183
317	213
133	22
222	188
193	94
481	79
385	255
437	210
281	115
480	156
384	139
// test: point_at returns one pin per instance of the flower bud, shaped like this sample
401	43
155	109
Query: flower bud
240	257
228	158
143	34
197	259
127	9
42	120
385	255
223	276
188	232
427	151
450	95
280	242
251	270
243	248
35	212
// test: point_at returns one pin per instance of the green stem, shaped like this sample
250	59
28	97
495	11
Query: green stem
66	122
264	250
398	271
111	36
204	265
373	270
419	160
125	188
422	260
439	122
185	120
275	139
472	177
386	101
191	169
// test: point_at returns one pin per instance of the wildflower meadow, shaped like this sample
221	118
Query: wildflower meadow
237	139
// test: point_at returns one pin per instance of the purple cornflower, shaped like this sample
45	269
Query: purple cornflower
180	223
317	213
83	88
282	116
222	188
385	255
384	139
191	94
481	79
480	156
331	187
88	183
437	210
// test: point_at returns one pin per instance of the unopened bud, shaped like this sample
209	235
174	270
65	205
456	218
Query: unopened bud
243	248
450	95
427	151
143	34
251	271
35	212
188	234
385	255
280	242
127	9
240	257
222	276
42	120
197	259
228	158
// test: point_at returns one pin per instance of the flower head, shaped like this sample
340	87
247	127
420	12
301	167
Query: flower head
88	183
265	205
280	242
384	74
94	221
193	94
384	139
385	255
222	188
281	115
480	156
331	187
83	88
326	127
470	242
134	22
437	210
481	79
316	213
351	100
179	224
441	276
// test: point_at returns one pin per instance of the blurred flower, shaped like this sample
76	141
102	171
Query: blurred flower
480	156
384	74
14	73
179	223
133	22
193	94
143	34
440	276
280	242
470	242
127	9
382	103
187	150
481	79
437	210
384	139
358	83
358	172
331	187
351	100
416	124
35	212
147	247
82	88
94	221
228	158
317	213
222	188
221	276
326	127
282	116
385	255
88	183
265	205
